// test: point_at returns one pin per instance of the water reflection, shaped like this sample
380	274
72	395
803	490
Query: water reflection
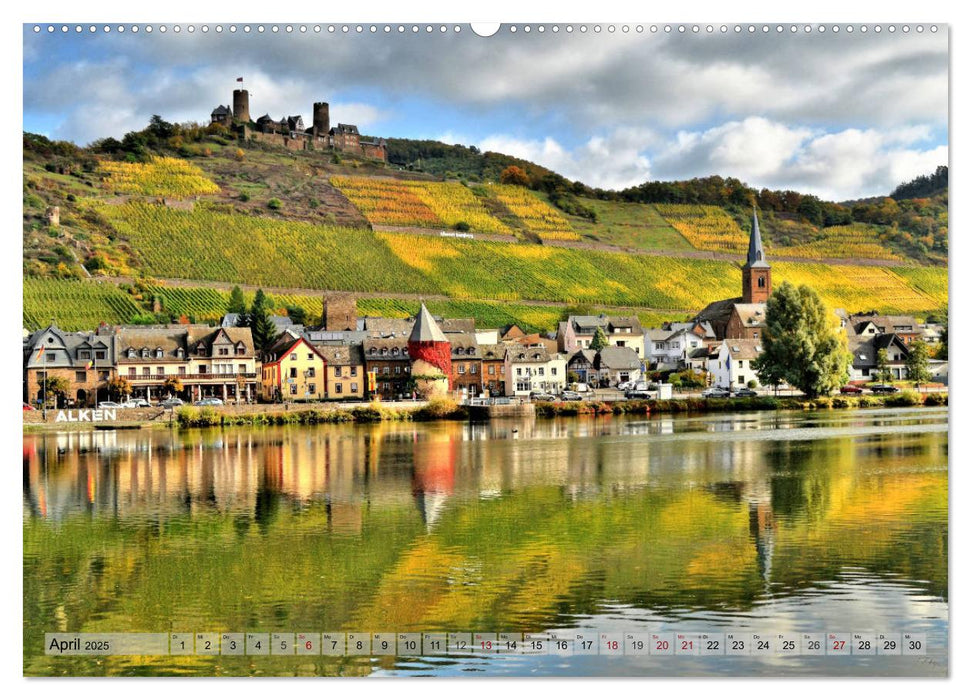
518	525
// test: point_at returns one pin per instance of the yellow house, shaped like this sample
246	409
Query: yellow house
293	371
346	378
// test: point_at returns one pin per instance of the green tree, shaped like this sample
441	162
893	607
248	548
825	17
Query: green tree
883	366
599	341
237	304
917	369
801	344
54	389
297	314
258	320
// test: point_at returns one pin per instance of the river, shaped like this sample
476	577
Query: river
759	523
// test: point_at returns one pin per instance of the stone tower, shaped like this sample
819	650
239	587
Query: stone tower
241	105
431	356
321	118
756	272
340	313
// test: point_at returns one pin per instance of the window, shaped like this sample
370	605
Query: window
240	349
386	370
182	371
49	356
492	370
542	371
312	372
242	369
353	387
337	371
519	371
658	346
159	370
180	353
338	388
397	369
312	388
310	356
202	369
553	371
293	373
461	369
473	369
223	351
741	379
621	343
761	282
144	352
293	388
80	376
84	354
146	371
353	371
293	356
103	375
100	355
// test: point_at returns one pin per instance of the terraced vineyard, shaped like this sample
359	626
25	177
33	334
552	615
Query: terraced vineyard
706	227
204	244
162	177
535	215
423	204
75	304
932	281
857	241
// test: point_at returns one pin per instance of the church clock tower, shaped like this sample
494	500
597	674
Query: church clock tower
756	272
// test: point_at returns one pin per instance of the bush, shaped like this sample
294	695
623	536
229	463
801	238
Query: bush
904	398
935	400
244	197
441	408
461	226
274	204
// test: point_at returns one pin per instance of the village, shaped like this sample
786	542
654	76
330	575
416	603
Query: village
362	358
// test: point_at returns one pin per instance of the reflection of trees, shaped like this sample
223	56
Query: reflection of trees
536	531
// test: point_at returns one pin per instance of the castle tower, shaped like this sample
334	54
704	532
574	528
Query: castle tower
340	313
241	105
321	118
756	272
431	356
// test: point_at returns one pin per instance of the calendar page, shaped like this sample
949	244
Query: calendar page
478	350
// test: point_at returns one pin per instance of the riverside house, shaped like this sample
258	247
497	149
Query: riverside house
576	333
207	362
84	360
293	370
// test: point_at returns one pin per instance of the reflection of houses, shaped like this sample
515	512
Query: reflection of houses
84	360
218	362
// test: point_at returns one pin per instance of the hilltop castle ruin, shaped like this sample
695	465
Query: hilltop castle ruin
290	132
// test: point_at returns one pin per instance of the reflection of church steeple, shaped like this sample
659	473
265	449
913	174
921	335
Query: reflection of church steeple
434	476
761	525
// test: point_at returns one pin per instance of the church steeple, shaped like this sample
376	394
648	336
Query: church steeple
756	273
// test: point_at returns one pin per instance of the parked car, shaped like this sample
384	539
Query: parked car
581	387
212	401
745	392
715	392
571	396
172	403
851	389
109	404
884	389
638	393
541	396
137	403
28	407
624	386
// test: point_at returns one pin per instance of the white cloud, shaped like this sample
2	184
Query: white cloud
614	161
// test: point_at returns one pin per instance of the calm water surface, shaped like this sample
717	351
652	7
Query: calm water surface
761	522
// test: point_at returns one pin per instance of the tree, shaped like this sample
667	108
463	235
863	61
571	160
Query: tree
599	341
237	304
118	387
172	386
514	175
53	387
801	343
258	320
297	314
917	369
883	366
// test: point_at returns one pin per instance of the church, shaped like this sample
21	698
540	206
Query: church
744	316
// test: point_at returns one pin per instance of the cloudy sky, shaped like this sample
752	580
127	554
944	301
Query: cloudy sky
840	115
